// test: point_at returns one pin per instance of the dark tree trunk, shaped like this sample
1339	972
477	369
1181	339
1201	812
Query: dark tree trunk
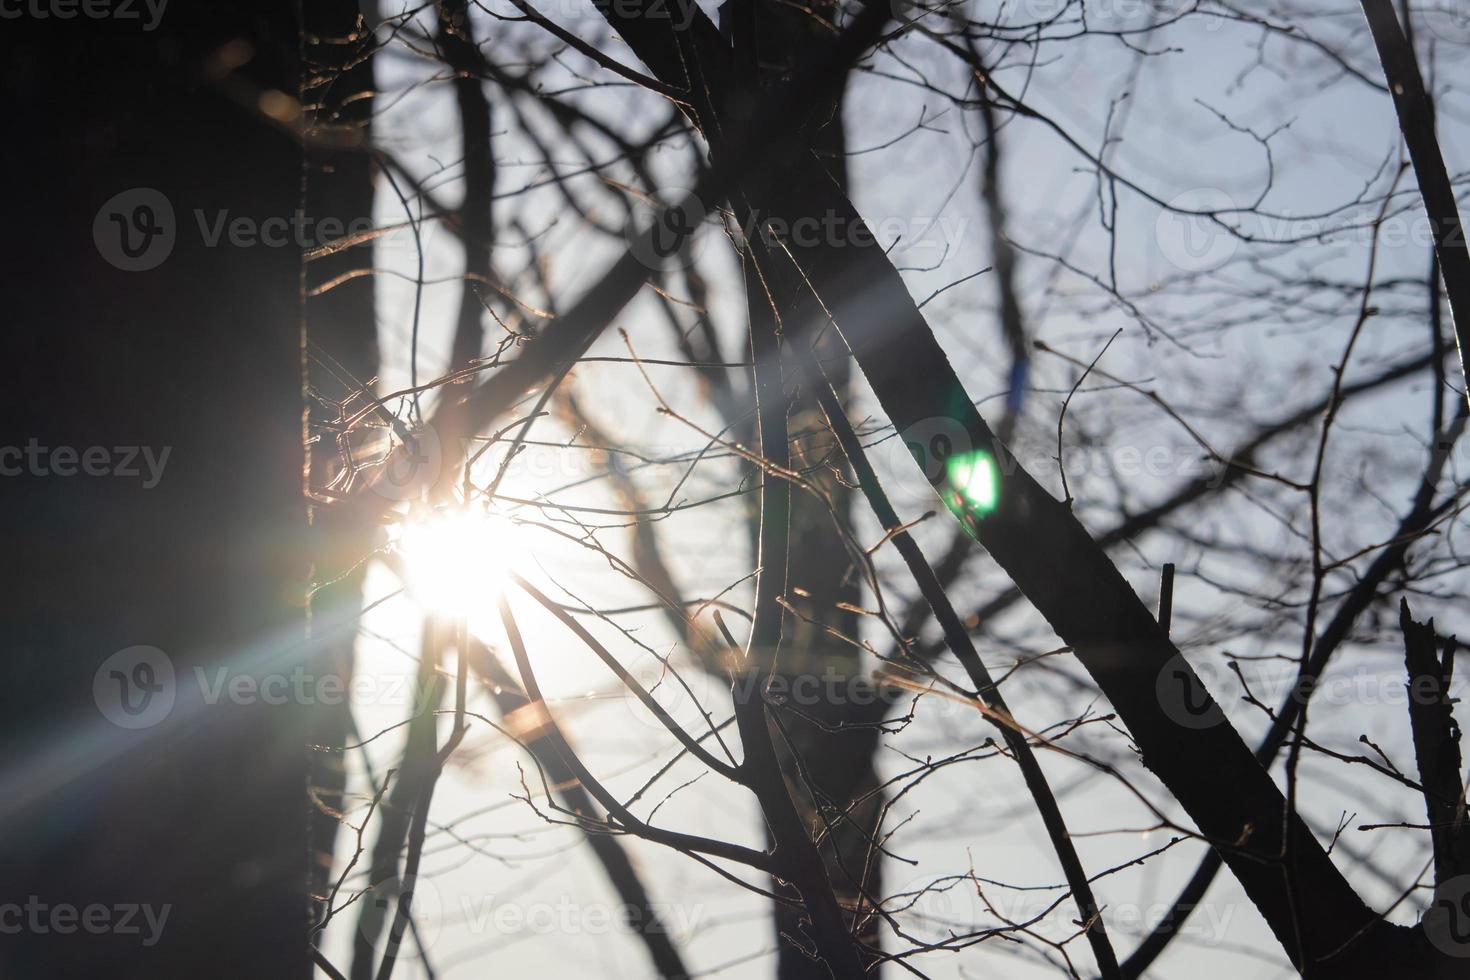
820	674
476	220
200	355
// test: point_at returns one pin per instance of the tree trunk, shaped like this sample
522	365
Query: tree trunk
820	675
155	829
343	355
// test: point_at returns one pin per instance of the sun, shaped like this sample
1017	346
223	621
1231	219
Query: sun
455	559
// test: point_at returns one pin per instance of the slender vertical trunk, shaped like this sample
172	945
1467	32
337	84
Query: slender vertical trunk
477	226
819	673
342	355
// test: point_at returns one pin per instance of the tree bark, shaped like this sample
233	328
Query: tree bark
819	670
342	360
197	351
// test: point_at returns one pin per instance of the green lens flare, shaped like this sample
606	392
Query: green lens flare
973	476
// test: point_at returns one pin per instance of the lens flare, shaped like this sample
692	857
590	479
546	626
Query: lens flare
972	476
456	559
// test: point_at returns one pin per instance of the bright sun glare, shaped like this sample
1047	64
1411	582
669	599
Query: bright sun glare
456	559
